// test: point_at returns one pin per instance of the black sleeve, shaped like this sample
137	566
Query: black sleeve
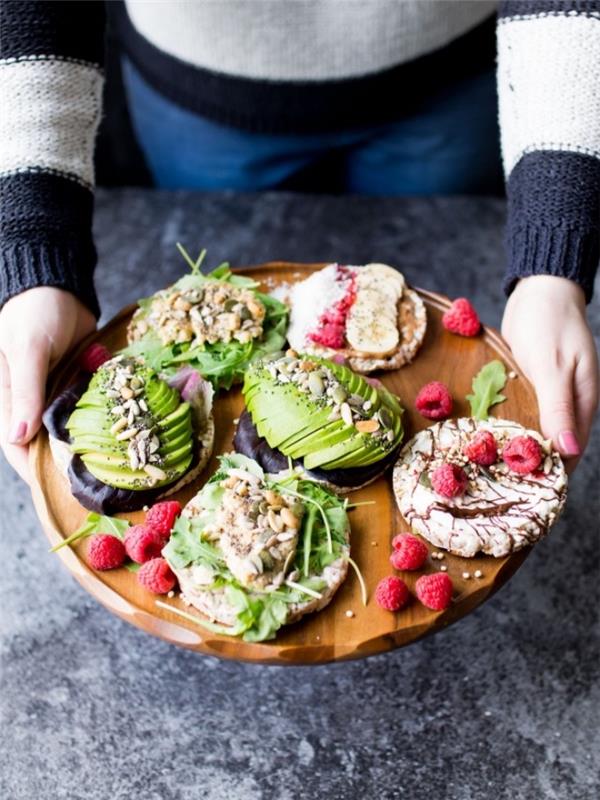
51	56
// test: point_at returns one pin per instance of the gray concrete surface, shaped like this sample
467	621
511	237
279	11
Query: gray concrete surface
503	705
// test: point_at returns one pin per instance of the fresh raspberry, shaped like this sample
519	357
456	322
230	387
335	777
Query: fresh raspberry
161	517
94	356
105	551
482	449
523	454
434	401
462	318
391	593
434	591
449	480
143	543
156	576
409	552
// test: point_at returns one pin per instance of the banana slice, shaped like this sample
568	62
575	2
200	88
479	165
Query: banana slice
372	324
381	278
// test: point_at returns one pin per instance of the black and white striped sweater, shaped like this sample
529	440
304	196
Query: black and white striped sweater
298	65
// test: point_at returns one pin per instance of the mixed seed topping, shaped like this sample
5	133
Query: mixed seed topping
215	312
134	424
257	530
319	381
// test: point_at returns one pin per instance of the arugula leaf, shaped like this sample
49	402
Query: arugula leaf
486	387
186	546
95	523
239	461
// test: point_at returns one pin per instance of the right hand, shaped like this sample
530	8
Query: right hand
37	327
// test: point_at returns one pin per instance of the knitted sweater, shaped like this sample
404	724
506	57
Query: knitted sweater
299	65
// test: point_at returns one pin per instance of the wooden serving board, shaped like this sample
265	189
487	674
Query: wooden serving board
329	635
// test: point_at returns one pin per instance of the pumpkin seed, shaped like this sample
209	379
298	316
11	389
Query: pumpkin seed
385	417
339	394
315	384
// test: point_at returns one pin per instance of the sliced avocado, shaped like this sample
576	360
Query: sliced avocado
299	425
105	456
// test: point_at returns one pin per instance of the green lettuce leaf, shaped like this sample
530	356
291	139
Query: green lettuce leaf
487	384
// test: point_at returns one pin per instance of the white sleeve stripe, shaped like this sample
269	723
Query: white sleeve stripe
51	114
555	13
66	59
549	86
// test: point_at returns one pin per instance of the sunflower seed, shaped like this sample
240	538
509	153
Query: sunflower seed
119	425
128	434
315	384
117	410
275	553
155	472
346	413
275	521
547	465
126	393
288	518
143	405
286	536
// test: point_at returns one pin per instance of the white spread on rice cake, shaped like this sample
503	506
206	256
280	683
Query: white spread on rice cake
500	512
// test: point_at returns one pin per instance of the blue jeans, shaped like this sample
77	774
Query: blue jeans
449	147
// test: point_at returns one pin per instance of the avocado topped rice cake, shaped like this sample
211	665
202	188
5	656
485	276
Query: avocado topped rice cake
254	551
342	428
501	509
365	314
128	436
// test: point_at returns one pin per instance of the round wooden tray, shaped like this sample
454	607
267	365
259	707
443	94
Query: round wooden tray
329	635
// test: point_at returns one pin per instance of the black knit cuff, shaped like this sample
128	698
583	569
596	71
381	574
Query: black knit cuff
552	251
553	225
46	223
64	266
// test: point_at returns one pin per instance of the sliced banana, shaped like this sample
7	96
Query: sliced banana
382	278
371	324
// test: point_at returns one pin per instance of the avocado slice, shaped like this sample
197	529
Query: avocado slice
297	422
91	424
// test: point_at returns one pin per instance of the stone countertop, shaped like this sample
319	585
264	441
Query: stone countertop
502	705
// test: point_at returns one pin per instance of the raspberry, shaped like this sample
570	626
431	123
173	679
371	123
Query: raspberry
434	401
105	551
156	576
409	552
434	591
143	543
462	318
482	449
523	454
161	517
449	480
391	593
94	356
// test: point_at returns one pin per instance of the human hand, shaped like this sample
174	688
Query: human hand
37	328
546	327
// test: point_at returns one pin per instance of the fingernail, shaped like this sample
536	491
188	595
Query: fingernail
567	441
18	433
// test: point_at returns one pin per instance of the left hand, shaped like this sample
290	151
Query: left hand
546	327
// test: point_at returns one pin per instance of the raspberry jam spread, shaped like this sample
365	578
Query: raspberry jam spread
330	330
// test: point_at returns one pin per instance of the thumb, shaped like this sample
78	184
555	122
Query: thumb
28	369
554	388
